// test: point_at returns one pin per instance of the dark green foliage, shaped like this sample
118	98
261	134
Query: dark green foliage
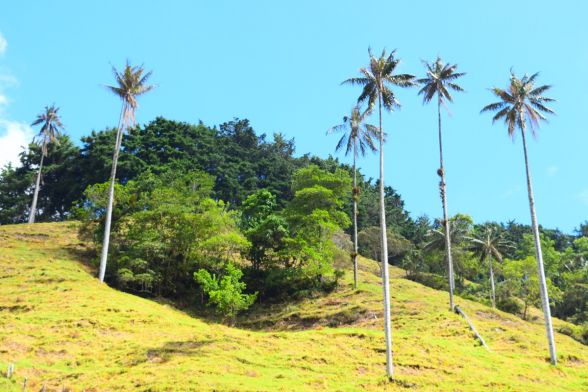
434	281
509	304
59	184
369	245
264	228
280	223
292	250
15	194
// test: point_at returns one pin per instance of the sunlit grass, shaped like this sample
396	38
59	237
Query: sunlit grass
61	327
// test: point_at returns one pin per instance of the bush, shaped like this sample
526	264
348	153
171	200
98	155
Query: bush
436	282
509	304
576	332
225	293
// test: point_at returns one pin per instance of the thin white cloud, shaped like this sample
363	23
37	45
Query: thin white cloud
3	45
14	137
552	170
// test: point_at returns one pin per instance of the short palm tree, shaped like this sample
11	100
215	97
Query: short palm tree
487	246
130	83
520	104
436	238
439	81
376	81
358	138
50	131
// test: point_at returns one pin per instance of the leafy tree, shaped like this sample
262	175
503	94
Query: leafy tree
313	216
551	257
14	200
574	283
264	228
376	80
521	280
357	139
436	241
370	246
440	79
489	245
225	292
582	230
164	228
521	104
50	130
317	189
60	183
131	83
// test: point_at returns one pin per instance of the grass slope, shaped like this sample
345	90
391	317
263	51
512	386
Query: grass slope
61	327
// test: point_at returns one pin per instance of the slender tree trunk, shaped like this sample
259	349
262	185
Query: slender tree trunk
445	214
539	254
33	211
106	241
384	239
355	196
492	281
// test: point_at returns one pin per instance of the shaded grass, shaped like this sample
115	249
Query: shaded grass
63	328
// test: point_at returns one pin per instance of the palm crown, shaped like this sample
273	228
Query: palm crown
489	243
360	135
377	78
522	102
440	80
131	83
51	128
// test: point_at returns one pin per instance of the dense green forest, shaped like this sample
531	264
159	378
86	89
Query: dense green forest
225	217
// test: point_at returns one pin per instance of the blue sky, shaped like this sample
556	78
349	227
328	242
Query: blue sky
280	65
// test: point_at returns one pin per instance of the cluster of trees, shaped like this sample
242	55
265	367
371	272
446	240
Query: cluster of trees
495	264
234	217
251	172
191	197
170	238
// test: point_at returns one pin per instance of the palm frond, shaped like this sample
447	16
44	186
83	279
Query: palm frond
493	106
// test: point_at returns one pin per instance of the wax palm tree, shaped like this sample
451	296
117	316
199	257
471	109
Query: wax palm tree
520	104
436	238
376	81
489	245
358	138
49	132
439	81
130	83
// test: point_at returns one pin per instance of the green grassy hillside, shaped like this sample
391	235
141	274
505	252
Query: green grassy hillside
61	327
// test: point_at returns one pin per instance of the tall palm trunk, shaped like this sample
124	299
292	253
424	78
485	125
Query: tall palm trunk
539	254
489	256
355	196
385	273
106	241
445	214
33	211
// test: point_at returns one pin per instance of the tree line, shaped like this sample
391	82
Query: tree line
236	217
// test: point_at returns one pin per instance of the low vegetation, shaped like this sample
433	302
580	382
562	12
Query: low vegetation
62	328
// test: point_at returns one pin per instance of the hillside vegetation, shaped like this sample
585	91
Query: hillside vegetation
62	328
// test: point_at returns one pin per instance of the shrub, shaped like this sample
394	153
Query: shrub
225	293
433	281
509	304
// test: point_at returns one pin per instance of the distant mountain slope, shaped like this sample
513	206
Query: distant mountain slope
61	327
